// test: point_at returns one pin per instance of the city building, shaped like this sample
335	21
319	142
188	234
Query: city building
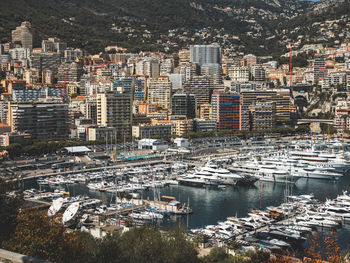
70	72
24	35
258	73
160	91
184	104
204	125
184	56
249	60
151	131
205	54
102	133
281	98
53	44
263	115
41	120
342	116
71	55
319	69
226	110
9	138
201	87
45	61
115	110
152	144
239	74
183	127
206	111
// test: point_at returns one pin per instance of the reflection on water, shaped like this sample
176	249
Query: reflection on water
211	205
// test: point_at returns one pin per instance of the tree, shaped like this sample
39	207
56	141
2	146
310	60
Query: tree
303	129
178	248
217	254
332	248
8	209
141	245
109	249
41	237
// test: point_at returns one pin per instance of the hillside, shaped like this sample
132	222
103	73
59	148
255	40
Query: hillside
145	24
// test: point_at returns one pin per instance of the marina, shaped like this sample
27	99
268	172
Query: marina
264	199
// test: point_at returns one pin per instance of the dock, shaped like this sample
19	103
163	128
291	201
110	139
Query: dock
124	210
119	166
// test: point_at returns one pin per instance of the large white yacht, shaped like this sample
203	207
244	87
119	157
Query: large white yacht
224	175
322	159
303	169
266	172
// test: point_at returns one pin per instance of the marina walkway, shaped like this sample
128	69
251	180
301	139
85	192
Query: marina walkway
124	210
119	166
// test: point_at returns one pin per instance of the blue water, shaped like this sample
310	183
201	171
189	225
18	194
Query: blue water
212	205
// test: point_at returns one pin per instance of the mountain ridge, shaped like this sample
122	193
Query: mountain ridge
91	23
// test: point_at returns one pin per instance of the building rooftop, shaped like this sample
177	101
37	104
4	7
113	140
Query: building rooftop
77	149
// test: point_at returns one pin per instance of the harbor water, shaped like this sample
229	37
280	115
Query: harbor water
211	205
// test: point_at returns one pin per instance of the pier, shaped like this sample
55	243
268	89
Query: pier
124	210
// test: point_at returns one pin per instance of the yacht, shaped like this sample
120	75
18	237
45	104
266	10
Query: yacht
267	172
191	180
224	175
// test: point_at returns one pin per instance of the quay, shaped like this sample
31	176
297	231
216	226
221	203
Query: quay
124	210
119	166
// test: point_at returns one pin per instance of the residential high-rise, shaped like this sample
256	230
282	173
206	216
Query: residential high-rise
258	73
115	110
184	104
213	71
90	109
149	67
206	112
249	60
45	61
238	74
183	127
53	45
72	54
42	120
227	110
281	98
202	125
24	35
263	115
184	56
70	72
319	69
189	70
159	91
201	87
205	54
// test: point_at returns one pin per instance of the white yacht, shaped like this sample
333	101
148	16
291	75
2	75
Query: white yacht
191	180
272	173
303	168
267	172
224	175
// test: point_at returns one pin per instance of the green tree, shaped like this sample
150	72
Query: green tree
178	248
109	249
304	128
8	209
142	245
41	237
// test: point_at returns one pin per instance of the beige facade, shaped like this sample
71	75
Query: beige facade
159	92
115	110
